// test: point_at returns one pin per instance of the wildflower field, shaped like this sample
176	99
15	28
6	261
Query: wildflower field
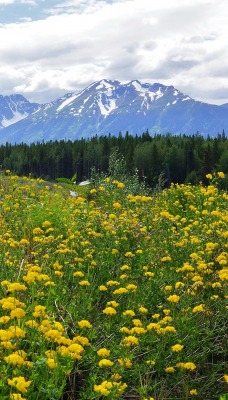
112	295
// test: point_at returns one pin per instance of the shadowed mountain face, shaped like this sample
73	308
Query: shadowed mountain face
110	107
15	108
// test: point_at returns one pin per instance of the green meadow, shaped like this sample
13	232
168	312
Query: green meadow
114	294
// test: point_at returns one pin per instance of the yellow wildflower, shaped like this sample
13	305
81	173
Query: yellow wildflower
92	191
103	388
129	254
166	258
102	288
155	316
150	362
76	348
113	303
130	341
84	283
177	347
16	286
17	332
84	324
179	285
116	376
105	363
19	383
46	224
131	286
173	298
193	392
117	205
14	359
4	319
124	329
188	365
53	334
138	330
199	308
130	313
109	311
112	216
17	313
78	273
143	310
39	311
149	274
137	322
51	363
121	290
170	370
103	352
168	329
113	283
126	362
16	396
125	267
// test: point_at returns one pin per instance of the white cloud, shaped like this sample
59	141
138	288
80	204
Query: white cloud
79	6
184	45
7	2
25	19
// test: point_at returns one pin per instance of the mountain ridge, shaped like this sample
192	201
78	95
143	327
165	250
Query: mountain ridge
108	106
15	107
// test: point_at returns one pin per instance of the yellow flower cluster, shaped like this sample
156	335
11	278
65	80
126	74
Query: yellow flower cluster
19	383
141	277
106	387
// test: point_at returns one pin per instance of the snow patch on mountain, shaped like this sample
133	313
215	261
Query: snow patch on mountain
106	108
87	99
138	86
67	102
16	117
15	108
155	95
145	92
104	84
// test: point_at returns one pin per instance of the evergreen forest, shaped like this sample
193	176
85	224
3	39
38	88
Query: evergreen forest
178	159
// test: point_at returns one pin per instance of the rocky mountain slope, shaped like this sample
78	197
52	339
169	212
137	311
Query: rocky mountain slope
110	107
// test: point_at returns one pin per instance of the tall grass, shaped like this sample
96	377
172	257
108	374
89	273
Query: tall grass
112	295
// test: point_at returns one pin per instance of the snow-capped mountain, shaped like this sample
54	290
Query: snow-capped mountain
110	107
15	108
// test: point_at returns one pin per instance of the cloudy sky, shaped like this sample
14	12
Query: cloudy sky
51	47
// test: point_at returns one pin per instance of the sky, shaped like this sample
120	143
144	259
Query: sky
51	47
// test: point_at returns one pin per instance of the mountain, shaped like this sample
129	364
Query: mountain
15	108
225	105
110	107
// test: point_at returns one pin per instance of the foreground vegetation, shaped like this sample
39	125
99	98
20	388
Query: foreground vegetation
114	294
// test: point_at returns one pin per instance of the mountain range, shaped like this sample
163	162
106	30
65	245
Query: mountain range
109	107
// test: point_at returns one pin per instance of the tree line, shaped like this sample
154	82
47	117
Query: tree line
180	158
